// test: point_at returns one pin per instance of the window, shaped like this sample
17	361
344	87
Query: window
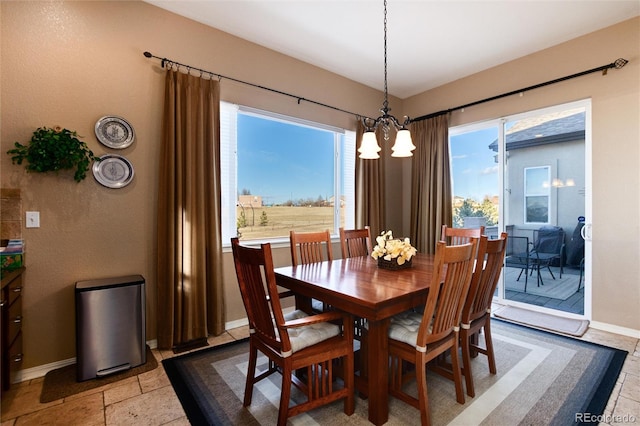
281	173
536	194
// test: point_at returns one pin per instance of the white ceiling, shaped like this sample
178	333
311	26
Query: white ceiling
429	42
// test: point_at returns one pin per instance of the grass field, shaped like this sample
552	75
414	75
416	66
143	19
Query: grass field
281	219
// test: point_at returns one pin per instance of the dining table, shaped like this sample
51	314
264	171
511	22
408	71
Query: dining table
360	287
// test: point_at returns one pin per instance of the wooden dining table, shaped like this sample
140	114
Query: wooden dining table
358	286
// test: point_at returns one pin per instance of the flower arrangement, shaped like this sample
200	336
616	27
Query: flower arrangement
393	250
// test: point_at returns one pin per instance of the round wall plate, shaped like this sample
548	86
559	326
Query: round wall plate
113	171
114	132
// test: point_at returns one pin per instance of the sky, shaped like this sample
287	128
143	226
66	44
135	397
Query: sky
475	172
282	162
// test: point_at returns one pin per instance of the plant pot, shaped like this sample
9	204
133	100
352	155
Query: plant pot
393	264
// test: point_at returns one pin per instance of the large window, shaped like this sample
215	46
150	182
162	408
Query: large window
281	173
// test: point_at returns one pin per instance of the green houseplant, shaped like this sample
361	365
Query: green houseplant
52	150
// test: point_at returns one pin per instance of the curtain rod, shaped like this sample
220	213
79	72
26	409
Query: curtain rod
170	62
619	63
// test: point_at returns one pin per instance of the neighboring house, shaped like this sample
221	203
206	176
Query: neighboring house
546	157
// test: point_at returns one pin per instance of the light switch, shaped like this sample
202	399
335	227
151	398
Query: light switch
33	220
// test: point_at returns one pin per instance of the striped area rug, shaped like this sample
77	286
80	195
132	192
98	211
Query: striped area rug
542	379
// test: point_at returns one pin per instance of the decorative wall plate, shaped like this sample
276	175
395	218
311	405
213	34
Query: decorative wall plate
114	132
113	171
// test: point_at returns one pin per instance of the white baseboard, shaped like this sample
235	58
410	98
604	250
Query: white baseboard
42	370
615	329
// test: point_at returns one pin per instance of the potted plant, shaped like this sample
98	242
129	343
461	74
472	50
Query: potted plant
52	150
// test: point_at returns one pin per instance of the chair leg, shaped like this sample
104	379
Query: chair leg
251	374
423	396
285	395
488	341
457	373
466	362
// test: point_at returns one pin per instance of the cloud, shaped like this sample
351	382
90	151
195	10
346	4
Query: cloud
489	170
458	157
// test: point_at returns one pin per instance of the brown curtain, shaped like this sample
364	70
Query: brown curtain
370	193
430	182
190	287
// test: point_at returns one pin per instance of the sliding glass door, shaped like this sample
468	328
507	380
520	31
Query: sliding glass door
527	175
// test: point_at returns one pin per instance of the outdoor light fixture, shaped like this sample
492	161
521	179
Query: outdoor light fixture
403	145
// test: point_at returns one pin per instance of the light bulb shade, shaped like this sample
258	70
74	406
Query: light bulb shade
369	147
404	145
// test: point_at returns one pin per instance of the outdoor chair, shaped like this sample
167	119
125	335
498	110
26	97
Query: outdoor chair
549	248
476	314
518	256
416	338
305	349
355	242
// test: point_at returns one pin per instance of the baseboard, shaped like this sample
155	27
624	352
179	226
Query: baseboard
42	370
630	332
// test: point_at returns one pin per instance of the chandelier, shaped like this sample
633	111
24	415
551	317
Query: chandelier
403	145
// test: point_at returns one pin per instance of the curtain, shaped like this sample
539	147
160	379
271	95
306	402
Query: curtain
370	193
190	284
431	199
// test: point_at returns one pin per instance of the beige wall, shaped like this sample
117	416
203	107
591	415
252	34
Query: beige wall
70	63
616	144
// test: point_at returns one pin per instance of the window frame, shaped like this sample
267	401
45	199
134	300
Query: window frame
343	177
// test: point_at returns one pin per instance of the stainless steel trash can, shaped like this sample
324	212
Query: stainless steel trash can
110	325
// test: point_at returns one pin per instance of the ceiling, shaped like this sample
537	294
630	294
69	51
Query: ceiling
429	42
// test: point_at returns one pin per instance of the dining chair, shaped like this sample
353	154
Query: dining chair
476	313
455	236
310	247
306	345
418	338
355	242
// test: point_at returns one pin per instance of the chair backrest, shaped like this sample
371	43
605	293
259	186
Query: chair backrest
548	239
446	298
257	281
456	236
489	264
310	247
355	242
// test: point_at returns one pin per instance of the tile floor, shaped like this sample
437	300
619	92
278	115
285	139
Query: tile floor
149	399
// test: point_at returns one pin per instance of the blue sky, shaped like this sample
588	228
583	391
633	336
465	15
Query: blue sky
475	173
281	162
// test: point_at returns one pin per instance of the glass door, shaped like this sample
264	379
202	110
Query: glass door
529	175
545	208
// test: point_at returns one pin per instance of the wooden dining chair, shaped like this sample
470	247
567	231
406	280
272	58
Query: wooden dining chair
476	313
417	338
355	242
306	345
310	247
455	236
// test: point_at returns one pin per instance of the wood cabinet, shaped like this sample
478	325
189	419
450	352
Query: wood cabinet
11	326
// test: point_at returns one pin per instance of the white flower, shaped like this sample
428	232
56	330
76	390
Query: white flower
389	248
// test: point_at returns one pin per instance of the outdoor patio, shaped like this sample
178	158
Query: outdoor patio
557	294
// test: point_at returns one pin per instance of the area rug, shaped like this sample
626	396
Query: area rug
572	327
61	383
542	379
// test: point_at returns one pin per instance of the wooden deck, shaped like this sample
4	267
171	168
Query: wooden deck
564	289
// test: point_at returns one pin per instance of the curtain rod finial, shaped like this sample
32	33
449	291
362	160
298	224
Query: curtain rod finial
620	62
147	54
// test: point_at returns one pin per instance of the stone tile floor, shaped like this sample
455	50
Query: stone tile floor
149	399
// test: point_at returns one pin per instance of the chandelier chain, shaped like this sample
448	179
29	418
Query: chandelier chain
386	100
